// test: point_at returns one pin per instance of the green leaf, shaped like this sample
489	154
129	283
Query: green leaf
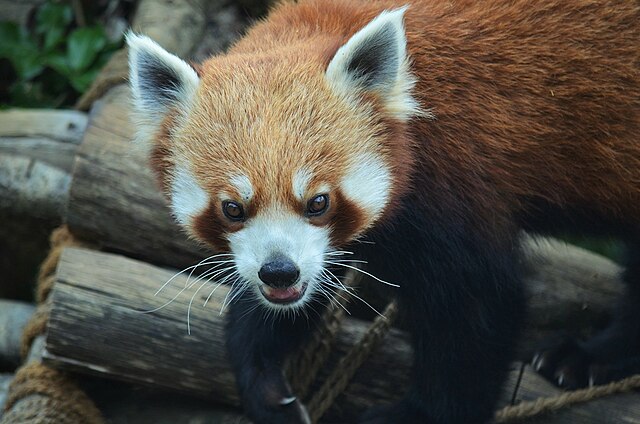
53	15
83	46
53	38
29	65
9	34
52	21
81	82
21	50
59	63
27	94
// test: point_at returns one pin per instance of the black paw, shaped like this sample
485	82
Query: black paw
568	365
402	413
291	411
564	363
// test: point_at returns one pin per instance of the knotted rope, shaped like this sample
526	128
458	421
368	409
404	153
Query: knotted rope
39	394
553	403
346	368
317	352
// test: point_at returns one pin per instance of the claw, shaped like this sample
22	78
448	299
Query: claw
287	401
560	379
538	362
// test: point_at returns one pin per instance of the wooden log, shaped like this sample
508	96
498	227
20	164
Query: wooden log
5	381
114	199
97	326
176	25
36	154
37	149
62	125
569	288
14	316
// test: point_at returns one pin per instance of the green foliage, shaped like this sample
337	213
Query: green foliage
51	63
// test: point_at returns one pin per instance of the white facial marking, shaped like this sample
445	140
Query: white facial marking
323	188
243	185
188	199
301	180
276	231
368	183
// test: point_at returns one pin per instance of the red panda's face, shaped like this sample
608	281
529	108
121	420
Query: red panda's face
284	172
278	162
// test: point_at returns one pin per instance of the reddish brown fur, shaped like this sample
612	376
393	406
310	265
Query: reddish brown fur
533	101
537	116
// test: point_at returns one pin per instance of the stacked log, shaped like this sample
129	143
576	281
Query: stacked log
100	324
96	325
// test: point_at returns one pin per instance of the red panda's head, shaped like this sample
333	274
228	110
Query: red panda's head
283	157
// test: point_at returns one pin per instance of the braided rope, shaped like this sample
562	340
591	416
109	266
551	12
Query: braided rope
303	368
346	368
39	394
338	380
309	361
45	395
547	404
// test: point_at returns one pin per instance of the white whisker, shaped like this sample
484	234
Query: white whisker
363	272
332	299
218	284
192	268
351	292
215	264
168	302
338	252
224	302
189	307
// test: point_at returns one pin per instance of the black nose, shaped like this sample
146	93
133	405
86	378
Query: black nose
279	272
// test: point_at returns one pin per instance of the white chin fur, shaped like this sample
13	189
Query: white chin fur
279	232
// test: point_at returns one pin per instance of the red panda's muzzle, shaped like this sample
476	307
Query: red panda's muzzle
285	295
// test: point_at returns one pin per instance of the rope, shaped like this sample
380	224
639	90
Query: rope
318	351
308	363
547	404
39	394
303	368
346	368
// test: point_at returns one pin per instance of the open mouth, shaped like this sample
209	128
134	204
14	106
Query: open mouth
283	295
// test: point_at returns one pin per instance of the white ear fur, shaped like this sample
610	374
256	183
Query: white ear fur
375	59
159	81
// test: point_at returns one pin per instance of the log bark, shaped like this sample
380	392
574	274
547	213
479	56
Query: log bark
179	33
14	317
62	125
36	155
97	326
114	200
37	148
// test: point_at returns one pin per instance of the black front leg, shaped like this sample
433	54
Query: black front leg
258	344
461	298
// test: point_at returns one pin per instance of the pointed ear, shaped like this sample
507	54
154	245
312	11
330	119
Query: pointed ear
159	82
375	60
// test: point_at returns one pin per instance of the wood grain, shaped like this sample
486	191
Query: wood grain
114	200
97	326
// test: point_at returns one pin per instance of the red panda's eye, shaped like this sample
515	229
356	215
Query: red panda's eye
318	205
233	210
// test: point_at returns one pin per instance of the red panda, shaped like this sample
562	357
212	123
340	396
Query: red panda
439	131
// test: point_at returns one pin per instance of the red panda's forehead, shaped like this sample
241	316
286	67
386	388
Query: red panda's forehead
268	124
